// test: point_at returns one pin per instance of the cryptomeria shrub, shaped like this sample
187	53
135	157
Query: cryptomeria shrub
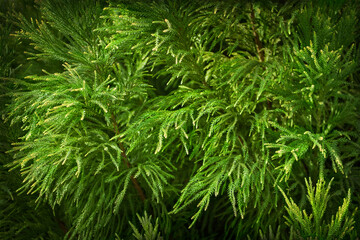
215	118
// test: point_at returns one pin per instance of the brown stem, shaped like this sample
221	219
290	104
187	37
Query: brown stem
64	229
126	160
62	226
258	44
256	36
241	141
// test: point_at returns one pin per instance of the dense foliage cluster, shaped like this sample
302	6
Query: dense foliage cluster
180	120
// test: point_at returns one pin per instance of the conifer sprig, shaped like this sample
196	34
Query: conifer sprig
313	225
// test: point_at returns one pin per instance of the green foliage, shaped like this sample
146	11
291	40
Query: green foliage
20	216
197	113
313	226
150	231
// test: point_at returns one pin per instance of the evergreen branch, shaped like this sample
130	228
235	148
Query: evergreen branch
313	225
258	43
125	159
176	97
150	232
